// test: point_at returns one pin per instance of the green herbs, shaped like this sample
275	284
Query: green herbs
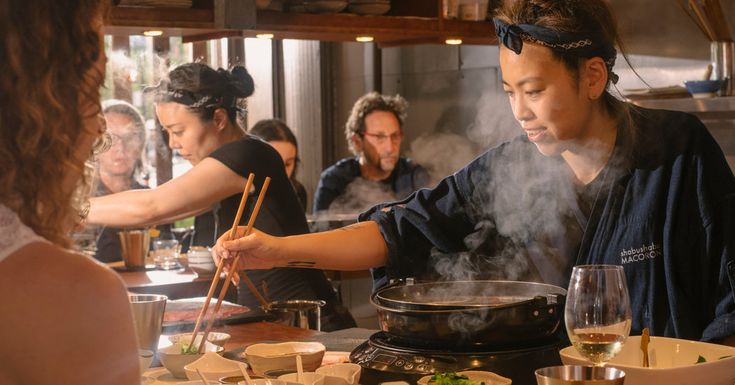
185	349
452	379
701	359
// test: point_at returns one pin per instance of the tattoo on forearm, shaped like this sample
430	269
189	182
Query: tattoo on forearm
301	264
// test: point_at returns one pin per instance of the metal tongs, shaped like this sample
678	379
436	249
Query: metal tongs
645	338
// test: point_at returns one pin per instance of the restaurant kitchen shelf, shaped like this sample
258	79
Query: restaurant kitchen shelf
409	22
715	108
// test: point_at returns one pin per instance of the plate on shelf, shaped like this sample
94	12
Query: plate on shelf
369	8
326	6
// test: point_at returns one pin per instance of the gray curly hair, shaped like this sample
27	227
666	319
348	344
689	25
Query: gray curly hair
367	104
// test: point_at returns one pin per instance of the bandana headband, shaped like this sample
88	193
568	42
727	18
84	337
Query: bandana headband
513	35
164	93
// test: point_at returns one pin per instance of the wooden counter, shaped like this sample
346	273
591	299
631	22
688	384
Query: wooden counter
175	284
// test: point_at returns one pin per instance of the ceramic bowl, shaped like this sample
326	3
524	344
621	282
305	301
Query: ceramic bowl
216	338
266	381
703	88
477	376
172	359
265	357
340	374
672	362
212	366
310	378
145	357
236	379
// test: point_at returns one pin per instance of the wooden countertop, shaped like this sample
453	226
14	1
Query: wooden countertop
176	284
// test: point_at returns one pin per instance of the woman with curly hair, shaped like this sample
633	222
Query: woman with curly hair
66	318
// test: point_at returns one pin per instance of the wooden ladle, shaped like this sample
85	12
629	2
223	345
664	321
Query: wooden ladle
645	338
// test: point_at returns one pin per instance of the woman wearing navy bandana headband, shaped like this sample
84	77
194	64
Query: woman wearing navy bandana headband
592	180
198	107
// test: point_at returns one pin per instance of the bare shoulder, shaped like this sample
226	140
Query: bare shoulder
61	307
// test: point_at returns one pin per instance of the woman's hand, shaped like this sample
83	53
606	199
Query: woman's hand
257	250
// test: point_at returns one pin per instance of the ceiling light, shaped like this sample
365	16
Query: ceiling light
153	32
264	35
453	41
364	39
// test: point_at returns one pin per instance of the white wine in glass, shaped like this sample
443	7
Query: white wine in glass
597	312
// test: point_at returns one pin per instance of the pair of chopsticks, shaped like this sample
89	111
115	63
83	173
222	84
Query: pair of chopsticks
220	266
709	18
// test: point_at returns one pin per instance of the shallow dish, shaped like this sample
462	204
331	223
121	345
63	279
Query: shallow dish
703	88
212	366
673	362
265	357
174	361
326	6
478	376
216	338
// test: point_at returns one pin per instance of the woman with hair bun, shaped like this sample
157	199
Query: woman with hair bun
198	108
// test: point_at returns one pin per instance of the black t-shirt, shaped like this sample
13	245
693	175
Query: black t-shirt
281	214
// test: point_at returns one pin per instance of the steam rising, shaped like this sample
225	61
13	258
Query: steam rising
360	195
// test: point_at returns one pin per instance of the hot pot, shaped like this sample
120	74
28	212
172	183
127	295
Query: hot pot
470	313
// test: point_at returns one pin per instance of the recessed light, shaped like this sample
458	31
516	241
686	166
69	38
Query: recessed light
153	32
364	39
264	35
453	41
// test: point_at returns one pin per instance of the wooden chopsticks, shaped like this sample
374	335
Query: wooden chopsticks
244	277
220	266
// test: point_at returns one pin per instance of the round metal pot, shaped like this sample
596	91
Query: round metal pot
466	313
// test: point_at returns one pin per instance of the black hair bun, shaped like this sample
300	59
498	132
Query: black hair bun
241	82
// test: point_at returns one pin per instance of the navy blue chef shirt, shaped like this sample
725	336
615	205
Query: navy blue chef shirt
663	207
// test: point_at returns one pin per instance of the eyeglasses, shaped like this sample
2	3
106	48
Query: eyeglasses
127	140
382	138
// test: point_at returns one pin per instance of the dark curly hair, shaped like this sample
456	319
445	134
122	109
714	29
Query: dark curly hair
46	53
369	103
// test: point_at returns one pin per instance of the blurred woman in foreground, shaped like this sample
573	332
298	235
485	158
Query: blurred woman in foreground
66	318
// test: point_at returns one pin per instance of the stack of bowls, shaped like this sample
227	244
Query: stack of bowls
369	7
201	261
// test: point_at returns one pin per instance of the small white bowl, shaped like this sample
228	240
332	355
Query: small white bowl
341	374
212	366
672	362
310	378
174	361
478	376
216	338
145	358
265	357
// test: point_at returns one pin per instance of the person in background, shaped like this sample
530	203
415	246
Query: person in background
592	180
120	167
198	108
374	132
278	135
66	318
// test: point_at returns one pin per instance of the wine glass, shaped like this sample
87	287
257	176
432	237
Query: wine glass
597	312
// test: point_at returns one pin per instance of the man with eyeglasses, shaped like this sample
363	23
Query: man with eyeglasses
377	172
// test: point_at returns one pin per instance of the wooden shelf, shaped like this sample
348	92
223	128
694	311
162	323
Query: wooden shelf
196	24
